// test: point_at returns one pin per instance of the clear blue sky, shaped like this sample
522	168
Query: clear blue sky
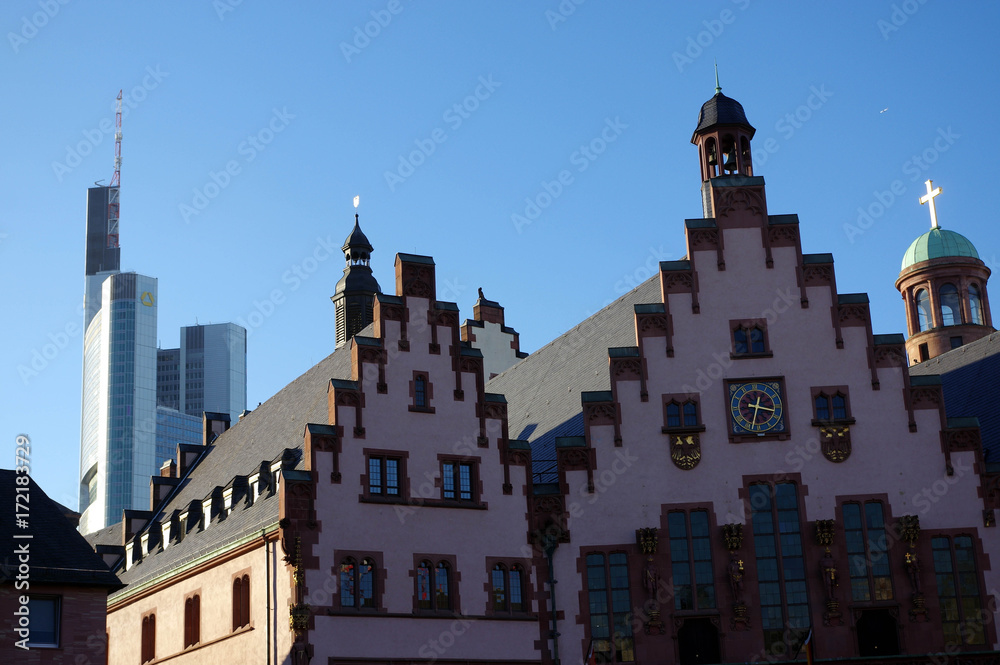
210	83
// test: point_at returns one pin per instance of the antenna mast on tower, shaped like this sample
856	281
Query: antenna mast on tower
113	207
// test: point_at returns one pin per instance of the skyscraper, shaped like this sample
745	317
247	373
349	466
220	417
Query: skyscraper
118	422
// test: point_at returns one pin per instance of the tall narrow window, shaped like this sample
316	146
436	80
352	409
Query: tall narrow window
348	588
923	310
951	309
420	392
148	648
780	566
691	560
975	305
516	589
499	575
610	607
958	590
241	602
867	552
442	594
425	601
192	620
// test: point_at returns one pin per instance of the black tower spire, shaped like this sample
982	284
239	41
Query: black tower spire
354	298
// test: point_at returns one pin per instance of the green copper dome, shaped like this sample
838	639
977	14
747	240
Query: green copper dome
938	243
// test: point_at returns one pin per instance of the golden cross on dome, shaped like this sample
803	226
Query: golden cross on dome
929	198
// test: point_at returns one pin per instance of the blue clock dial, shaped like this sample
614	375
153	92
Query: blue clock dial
756	407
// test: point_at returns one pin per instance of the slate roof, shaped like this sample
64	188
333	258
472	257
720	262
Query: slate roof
722	110
543	390
109	535
970	375
58	553
262	435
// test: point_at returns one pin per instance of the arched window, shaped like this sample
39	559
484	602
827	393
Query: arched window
745	153
424	599
951	308
822	407
839	407
241	602
348	594
690	414
975	305
366	583
442	597
148	645
923	310
673	414
192	620
748	339
712	157
516	589
499	587
420	392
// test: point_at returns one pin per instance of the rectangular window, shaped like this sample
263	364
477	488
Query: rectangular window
691	560
192	620
383	475
831	405
868	560
44	612
610	607
958	590
457	478
780	566
749	338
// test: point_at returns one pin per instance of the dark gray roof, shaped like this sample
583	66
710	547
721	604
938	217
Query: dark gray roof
357	239
969	375
109	535
722	110
543	390
58	553
262	435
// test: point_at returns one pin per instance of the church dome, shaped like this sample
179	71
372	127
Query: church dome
938	243
722	110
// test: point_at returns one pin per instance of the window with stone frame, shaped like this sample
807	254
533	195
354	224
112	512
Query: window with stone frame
358	581
385	476
691	560
831	405
148	636
867	551
421	392
749	338
958	589
192	620
241	601
507	588
681	412
460	479
781	574
435	582
610	607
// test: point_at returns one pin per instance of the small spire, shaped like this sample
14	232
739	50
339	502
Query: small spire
718	88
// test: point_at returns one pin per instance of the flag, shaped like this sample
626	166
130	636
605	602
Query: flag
809	647
591	655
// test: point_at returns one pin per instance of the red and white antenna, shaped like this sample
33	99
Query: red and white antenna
113	207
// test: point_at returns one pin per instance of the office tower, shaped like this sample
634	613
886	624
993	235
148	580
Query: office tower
118	422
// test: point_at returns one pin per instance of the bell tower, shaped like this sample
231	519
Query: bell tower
354	298
943	284
723	138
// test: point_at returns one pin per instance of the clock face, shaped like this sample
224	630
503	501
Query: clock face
756	407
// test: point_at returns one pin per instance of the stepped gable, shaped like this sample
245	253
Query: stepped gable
261	436
543	391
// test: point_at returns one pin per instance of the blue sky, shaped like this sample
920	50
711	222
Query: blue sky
250	127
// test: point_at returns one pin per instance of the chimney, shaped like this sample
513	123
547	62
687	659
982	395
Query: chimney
168	469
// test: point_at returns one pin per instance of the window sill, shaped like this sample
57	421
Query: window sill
421	409
683	430
376	498
836	422
744	356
